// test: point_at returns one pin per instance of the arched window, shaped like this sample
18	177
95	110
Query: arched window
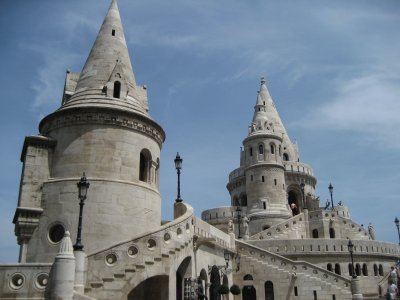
380	270
117	89
269	290
144	165
365	270
272	146
375	270
260	149
358	270
285	156
248	277
329	267
337	269
331	233
280	150
236	201
251	151
315	234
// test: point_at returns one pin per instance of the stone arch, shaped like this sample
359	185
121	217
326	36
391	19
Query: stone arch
294	196
331	232
315	234
337	269
269	290
155	287
329	267
215	282
184	271
145	165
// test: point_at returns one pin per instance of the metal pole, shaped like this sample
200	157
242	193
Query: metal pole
331	192
354	275
178	199
398	231
78	245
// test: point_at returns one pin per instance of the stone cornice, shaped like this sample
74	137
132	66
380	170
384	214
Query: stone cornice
104	116
39	141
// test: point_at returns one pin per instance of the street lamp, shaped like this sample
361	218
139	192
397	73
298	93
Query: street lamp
302	185
350	246
83	186
238	212
330	188
178	166
237	262
396	221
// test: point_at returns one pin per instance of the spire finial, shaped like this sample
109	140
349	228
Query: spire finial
263	81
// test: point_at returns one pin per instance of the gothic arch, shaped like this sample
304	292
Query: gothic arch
269	290
155	287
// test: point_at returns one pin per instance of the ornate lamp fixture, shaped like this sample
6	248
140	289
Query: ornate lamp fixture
178	166
225	270
83	186
350	246
330	188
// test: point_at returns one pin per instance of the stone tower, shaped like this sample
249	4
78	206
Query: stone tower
260	184
102	128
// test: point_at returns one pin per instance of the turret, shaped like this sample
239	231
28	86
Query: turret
102	128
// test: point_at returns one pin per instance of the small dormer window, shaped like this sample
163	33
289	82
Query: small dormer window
117	89
113	32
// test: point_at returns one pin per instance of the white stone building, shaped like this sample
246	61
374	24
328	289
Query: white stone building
289	247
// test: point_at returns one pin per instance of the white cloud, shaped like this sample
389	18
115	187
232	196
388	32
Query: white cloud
367	105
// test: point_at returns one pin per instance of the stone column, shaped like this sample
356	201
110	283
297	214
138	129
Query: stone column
80	271
172	284
356	289
63	271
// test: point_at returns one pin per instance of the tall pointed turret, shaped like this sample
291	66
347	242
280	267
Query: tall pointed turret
108	70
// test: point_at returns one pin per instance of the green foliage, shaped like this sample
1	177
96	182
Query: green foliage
235	289
223	289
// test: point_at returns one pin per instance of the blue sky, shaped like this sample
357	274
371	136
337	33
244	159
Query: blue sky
332	68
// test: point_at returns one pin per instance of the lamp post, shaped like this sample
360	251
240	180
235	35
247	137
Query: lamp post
238	212
83	186
302	185
330	188
396	221
350	246
178	166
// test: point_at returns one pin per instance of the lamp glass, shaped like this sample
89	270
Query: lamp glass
226	256
396	220
350	246
330	187
178	162
83	186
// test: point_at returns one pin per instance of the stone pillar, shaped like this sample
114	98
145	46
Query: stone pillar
172	284
356	289
80	271
23	250
63	271
307	224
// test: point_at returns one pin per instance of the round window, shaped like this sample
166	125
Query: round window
56	233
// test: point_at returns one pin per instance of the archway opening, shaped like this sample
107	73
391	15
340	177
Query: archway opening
269	290
117	89
152	288
294	202
182	273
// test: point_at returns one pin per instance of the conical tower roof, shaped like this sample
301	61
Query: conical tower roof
108	50
266	119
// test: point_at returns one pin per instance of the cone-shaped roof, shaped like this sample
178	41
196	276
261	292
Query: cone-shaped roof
266	118
108	50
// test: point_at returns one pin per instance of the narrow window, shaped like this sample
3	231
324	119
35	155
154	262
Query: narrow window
375	270
365	270
329	267
280	150
315	295
275	181
262	178
337	269
251	151
265	205
117	89
358	270
333	297
380	270
144	166
113	32
331	233
261	149
272	149
251	177
350	270
315	233
295	291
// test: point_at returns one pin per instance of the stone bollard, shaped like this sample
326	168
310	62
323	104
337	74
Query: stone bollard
356	289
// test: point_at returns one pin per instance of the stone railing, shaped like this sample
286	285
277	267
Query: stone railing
316	246
205	230
239	172
298	167
297	268
223	214
282	230
24	281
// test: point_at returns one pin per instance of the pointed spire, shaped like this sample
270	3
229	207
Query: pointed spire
108	50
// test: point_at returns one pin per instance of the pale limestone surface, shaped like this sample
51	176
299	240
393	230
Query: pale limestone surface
104	129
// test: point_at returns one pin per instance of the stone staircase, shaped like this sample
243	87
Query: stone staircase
305	276
115	271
